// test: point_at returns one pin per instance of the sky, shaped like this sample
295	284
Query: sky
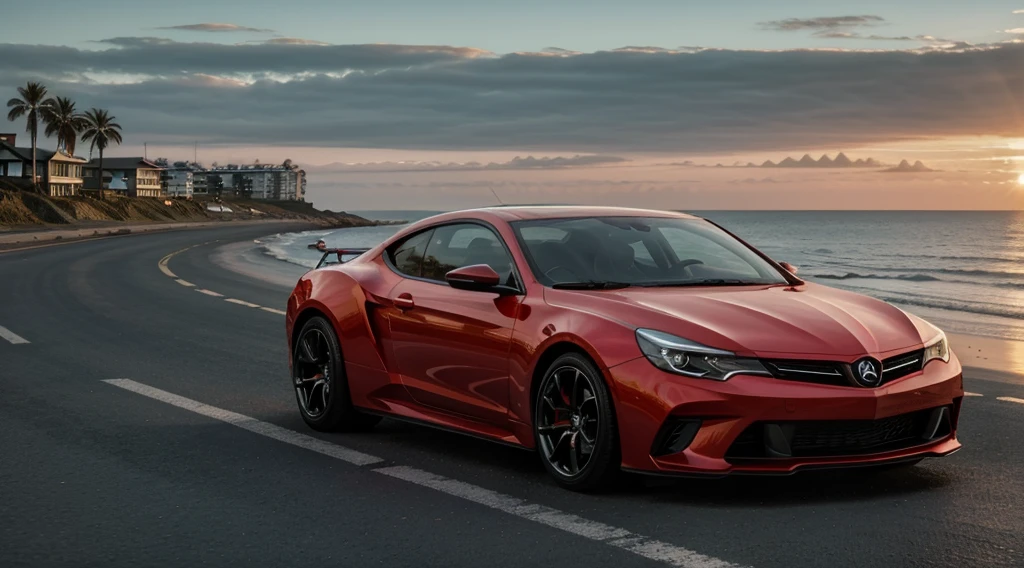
435	104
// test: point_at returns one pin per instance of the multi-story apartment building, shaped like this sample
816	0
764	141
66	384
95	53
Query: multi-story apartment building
256	181
181	179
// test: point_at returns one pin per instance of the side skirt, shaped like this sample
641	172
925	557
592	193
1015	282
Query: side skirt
443	428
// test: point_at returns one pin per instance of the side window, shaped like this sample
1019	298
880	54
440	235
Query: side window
465	244
407	255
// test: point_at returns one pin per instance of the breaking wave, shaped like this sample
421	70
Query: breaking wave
909	277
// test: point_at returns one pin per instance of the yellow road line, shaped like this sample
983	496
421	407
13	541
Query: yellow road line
1010	399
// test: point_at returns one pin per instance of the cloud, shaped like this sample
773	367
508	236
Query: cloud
603	103
822	23
855	35
293	41
213	27
835	34
517	163
1018	11
1015	31
163	57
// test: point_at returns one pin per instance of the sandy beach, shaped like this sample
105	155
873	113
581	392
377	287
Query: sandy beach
990	358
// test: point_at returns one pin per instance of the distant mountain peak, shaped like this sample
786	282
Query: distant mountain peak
842	161
906	167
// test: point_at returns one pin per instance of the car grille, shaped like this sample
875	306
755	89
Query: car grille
830	438
836	373
902	365
821	372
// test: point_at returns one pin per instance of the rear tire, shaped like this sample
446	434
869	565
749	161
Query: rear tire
574	425
320	383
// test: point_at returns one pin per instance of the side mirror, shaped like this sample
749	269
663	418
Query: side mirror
478	277
789	267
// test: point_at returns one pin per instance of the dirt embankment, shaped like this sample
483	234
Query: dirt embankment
22	210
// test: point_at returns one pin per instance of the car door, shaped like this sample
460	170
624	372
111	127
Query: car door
451	346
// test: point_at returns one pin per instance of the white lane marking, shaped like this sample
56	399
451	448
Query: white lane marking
242	303
274	311
614	536
163	265
593	530
209	293
251	424
185	283
1010	399
972	394
12	337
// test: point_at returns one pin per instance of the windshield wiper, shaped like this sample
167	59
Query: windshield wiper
704	282
590	285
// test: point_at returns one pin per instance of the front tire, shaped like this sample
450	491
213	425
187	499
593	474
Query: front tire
574	425
321	386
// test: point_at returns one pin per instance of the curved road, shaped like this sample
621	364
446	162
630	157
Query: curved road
145	423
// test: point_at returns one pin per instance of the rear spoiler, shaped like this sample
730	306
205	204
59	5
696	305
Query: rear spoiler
340	252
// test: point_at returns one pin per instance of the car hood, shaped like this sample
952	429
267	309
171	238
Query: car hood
764	321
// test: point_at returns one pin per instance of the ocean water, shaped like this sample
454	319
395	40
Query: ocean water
964	271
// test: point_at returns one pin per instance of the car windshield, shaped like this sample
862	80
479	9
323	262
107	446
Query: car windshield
604	253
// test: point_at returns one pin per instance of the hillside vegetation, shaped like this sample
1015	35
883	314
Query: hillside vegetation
25	210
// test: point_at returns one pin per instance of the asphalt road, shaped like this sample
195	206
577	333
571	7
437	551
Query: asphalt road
100	464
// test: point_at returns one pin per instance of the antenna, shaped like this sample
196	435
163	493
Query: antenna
145	150
495	193
195	153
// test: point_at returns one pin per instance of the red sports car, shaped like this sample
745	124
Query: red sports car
616	339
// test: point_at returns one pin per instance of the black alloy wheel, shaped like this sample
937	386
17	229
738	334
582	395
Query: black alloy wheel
321	387
574	425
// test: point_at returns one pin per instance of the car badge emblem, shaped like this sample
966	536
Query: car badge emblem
866	372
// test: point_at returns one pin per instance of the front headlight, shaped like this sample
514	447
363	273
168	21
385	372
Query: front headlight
937	348
685	357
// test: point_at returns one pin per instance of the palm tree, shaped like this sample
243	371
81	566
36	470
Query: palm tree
100	131
63	122
31	104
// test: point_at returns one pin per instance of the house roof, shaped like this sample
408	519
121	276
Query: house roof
26	153
124	163
42	155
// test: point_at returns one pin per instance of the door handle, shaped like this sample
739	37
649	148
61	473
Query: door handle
404	301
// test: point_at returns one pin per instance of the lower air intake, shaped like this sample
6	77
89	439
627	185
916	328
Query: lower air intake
675	436
836	438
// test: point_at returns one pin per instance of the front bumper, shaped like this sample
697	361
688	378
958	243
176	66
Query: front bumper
647	399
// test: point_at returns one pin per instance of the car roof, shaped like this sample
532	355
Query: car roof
531	212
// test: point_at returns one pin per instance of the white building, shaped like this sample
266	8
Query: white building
178	182
257	181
